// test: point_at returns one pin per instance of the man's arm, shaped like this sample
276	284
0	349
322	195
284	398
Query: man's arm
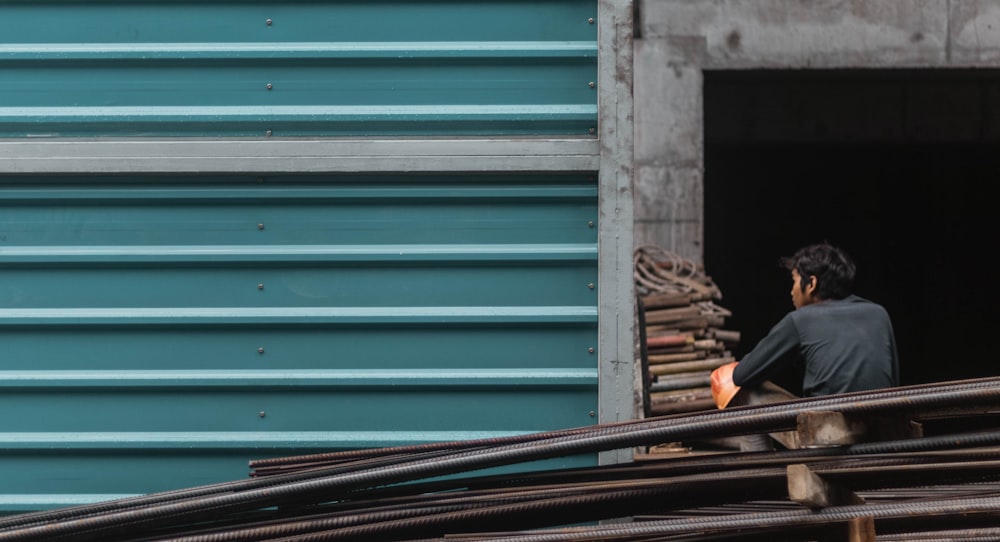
764	360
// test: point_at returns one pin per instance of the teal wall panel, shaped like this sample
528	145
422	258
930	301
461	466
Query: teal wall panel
161	331
147	320
298	68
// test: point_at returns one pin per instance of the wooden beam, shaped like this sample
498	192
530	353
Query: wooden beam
819	429
859	529
809	489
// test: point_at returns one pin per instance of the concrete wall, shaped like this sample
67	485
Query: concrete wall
676	41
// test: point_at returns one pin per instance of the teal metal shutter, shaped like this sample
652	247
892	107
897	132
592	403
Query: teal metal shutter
160	333
237	230
298	68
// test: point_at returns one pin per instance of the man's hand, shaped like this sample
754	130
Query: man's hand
723	389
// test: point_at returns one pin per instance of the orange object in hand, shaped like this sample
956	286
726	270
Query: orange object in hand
723	388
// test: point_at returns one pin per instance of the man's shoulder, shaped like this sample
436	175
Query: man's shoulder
849	304
866	304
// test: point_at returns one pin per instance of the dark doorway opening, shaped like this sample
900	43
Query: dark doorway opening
899	167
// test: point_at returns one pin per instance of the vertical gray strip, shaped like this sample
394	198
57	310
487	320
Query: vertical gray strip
616	297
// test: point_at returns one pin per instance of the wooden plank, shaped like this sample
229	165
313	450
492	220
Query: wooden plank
861	529
688	366
817	429
666	300
809	489
662	316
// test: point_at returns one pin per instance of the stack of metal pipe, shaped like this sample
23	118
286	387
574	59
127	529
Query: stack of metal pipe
943	485
681	332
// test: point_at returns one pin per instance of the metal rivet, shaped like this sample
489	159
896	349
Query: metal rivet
269	21
260	350
268	133
261	414
592	413
590	223
591	286
269	86
260	286
590	20
591	350
591	84
260	226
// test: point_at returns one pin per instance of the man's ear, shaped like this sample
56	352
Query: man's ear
811	285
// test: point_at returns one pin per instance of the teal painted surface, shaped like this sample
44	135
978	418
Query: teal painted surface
253	69
159	332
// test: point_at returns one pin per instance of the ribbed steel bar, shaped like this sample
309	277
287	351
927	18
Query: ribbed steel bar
21	521
965	446
375	508
503	507
614	500
559	478
978	394
953	508
372	525
984	534
330	458
832	400
592	501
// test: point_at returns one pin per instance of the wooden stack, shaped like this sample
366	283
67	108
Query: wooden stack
682	332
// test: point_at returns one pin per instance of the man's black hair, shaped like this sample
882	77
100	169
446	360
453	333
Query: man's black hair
833	268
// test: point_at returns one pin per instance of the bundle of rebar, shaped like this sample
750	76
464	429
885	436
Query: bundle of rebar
681	332
916	486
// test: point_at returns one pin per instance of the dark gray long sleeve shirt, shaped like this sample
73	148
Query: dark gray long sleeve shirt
846	344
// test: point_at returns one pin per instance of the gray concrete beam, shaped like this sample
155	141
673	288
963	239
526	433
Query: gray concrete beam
974	32
677	40
616	295
744	34
669	144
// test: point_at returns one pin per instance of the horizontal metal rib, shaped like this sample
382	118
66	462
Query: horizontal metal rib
297	50
298	315
70	255
286	193
313	113
293	155
240	441
300	379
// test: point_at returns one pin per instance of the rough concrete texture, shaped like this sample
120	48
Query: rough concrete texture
669	195
677	39
974	30
669	132
806	33
676	137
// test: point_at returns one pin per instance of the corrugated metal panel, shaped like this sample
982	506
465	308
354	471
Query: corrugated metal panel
171	307
298	68
159	331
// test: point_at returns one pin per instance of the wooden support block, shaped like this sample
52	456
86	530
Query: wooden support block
860	529
820	429
828	429
767	393
809	489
